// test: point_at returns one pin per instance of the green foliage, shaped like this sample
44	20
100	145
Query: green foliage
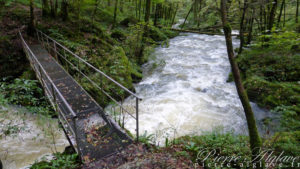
271	73
118	34
287	142
61	160
156	34
272	94
146	139
21	92
129	21
26	93
290	120
225	144
284	40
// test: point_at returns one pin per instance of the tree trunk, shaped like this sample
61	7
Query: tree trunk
272	15
115	14
255	141
31	26
280	13
56	7
45	8
140	6
242	41
174	16
284	15
136	9
187	16
156	15
297	11
95	10
64	10
249	38
148	8
78	5
52	8
145	34
121	6
198	24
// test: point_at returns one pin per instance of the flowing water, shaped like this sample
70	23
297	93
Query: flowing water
184	90
25	137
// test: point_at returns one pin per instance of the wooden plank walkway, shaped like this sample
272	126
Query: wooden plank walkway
97	134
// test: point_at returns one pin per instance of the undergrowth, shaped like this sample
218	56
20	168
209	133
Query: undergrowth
60	160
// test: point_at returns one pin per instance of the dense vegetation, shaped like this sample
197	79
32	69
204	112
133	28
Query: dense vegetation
118	36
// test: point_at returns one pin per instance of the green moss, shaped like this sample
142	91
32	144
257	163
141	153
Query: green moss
118	34
225	145
230	77
273	65
287	142
271	77
272	94
169	33
129	20
156	34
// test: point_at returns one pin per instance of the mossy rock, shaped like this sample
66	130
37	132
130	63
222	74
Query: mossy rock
118	34
230	78
28	74
273	65
169	33
295	48
156	34
127	21
271	94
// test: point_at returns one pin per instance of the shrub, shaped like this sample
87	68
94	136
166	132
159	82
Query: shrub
61	160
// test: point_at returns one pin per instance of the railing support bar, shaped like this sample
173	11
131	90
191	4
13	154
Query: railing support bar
137	119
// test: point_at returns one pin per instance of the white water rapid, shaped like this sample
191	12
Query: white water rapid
184	90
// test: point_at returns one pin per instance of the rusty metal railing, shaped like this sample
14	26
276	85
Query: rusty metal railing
82	67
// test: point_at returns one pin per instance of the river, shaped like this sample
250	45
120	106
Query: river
184	90
26	137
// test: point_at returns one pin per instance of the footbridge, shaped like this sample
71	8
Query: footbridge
91	130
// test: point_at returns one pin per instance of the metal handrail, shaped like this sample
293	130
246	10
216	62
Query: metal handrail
45	39
41	72
97	70
47	76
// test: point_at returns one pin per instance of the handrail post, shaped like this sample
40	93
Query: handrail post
53	94
43	41
137	118
48	44
55	52
40	72
101	86
78	63
76	137
37	34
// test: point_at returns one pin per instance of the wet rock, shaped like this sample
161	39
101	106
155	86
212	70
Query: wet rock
129	20
69	150
119	35
295	48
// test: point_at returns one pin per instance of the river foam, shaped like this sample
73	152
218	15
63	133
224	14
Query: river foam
184	90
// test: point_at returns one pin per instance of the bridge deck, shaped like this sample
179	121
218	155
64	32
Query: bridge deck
97	135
